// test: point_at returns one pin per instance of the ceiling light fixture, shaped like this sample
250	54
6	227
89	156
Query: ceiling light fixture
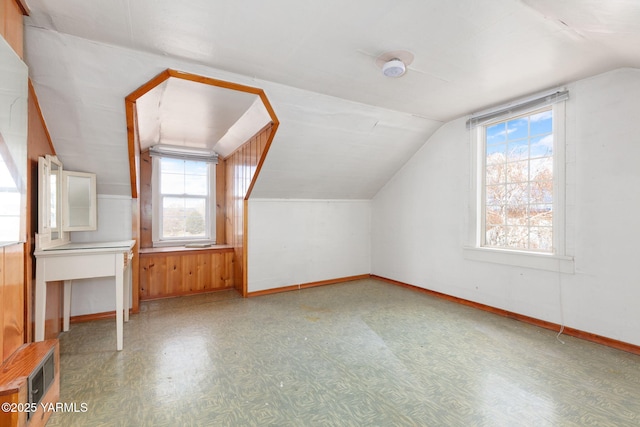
394	63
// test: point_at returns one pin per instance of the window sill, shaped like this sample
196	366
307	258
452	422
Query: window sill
167	250
548	262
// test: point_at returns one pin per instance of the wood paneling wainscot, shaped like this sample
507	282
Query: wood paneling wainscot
242	167
12	292
170	272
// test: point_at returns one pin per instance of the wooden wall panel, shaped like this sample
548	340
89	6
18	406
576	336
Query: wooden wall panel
146	211
11	26
241	167
39	144
185	272
13	299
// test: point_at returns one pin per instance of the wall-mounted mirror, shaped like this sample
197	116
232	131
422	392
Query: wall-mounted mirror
66	201
79	201
13	145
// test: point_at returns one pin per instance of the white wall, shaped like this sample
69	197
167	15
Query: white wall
420	219
293	242
98	295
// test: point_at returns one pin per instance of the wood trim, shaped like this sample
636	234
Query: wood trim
245	247
129	107
308	285
214	82
155	81
14	374
263	156
94	316
12	26
248	179
24	7
198	292
576	333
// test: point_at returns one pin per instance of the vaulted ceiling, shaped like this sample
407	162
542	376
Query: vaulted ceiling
344	128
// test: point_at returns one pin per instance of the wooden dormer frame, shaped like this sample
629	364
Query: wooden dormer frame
134	163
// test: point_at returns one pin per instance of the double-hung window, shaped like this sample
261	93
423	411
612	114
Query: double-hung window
183	199
518	186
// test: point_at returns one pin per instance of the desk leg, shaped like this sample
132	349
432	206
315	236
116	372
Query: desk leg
66	305
127	291
41	301
119	300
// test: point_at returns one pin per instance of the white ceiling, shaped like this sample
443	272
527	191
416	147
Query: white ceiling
185	113
345	129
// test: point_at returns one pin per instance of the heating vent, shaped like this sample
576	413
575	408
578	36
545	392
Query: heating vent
41	379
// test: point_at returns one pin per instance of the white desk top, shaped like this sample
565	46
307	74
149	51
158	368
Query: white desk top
84	247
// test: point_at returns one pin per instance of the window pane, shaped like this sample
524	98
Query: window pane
496	195
541	192
541	122
495	236
496	174
494	215
542	146
541	169
171	176
518	128
518	150
517	215
541	215
184	177
197	184
496	134
518	171
517	194
517	237
540	238
183	217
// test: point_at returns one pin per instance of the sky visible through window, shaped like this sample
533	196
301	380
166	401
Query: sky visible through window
518	199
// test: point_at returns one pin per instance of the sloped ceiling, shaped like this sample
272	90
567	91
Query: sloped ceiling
345	129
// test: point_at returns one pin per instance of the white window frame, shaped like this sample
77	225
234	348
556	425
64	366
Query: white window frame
557	260
156	201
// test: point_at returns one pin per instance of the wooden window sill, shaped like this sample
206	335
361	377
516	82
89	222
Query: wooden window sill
165	250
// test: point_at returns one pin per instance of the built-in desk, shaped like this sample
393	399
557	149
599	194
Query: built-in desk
73	261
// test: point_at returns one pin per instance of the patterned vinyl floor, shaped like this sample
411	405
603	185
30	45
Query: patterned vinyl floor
363	353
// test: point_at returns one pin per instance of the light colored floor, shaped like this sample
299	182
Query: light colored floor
363	353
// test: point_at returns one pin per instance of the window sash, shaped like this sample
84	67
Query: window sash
514	229
158	198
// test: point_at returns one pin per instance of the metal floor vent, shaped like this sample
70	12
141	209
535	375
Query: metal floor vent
40	380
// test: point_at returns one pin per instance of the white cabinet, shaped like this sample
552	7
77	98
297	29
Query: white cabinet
66	202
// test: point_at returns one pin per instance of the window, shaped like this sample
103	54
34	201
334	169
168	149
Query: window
517	205
183	201
517	200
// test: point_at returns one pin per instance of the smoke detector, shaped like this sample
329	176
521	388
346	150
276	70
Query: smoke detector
393	68
394	63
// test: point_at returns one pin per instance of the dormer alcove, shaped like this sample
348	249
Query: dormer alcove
182	113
